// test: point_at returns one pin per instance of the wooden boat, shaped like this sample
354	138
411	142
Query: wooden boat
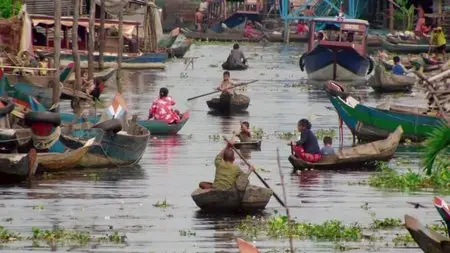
429	61
253	144
428	240
180	50
384	81
369	123
252	199
444	210
408	48
388	65
359	157
227	105
103	75
110	148
338	59
161	127
17	167
49	162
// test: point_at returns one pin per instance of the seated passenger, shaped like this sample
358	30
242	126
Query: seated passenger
398	68
327	149
307	148
161	108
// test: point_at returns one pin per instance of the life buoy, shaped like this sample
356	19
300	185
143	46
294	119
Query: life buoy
301	63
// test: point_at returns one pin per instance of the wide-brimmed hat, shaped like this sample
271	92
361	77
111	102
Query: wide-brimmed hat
438	28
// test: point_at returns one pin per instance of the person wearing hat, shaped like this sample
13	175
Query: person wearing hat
161	108
438	40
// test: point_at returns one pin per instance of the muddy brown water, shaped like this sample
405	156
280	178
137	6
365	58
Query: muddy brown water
122	199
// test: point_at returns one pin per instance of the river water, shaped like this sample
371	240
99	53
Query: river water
122	199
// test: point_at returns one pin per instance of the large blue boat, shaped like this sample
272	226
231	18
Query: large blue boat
338	50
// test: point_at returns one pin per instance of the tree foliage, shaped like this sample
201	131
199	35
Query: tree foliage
6	8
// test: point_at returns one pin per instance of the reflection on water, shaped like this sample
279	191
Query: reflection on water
172	166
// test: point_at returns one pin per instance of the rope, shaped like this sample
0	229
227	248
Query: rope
45	142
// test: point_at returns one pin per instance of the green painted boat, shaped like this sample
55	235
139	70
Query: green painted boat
159	127
408	48
369	123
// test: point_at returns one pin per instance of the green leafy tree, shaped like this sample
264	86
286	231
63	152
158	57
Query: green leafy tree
405	14
437	143
6	8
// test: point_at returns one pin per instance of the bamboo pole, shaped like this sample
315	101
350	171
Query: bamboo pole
75	53
91	48
120	51
101	61
391	17
57	48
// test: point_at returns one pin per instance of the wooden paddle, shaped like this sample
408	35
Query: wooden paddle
213	92
256	173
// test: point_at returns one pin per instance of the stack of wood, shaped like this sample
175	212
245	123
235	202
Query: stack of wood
438	92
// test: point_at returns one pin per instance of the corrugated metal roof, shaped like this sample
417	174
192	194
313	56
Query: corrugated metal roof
46	7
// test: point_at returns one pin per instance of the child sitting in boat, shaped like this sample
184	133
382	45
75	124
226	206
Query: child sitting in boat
226	171
302	28
307	148
87	85
398	68
245	134
327	149
161	108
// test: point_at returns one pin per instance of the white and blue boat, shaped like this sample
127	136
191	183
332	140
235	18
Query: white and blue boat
337	50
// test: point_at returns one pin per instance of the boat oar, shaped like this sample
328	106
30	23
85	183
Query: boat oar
213	92
256	173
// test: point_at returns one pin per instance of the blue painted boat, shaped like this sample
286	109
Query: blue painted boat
340	55
239	17
109	149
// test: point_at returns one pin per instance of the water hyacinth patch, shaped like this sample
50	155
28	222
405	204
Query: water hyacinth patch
277	227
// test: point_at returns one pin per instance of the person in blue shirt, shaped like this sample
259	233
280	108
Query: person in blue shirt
327	149
398	68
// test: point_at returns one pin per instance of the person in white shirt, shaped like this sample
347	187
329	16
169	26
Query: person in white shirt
203	6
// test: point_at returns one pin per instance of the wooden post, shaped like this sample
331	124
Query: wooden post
91	45
150	42
76	54
101	50
57	51
440	12
120	51
391	17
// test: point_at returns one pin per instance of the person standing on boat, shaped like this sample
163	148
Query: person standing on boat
161	108
439	41
198	20
226	171
420	20
307	148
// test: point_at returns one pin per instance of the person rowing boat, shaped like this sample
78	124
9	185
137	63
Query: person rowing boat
227	172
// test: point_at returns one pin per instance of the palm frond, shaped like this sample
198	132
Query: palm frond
437	141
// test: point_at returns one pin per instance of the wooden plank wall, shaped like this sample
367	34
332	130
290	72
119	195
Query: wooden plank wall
45	7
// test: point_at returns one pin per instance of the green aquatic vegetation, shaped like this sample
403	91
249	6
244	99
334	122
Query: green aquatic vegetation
257	133
60	235
8	236
286	135
186	232
276	227
38	207
386	223
403	240
320	133
388	178
162	204
261	169
214	137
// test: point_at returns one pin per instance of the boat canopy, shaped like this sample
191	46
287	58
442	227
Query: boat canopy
129	27
340	23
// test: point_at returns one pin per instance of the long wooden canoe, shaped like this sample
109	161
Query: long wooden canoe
428	240
444	210
359	157
369	123
384	81
62	161
17	167
159	127
408	48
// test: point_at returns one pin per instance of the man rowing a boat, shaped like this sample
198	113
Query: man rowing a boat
161	108
227	85
236	59
226	171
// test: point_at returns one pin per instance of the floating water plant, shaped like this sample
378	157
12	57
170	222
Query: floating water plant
8	236
215	137
257	133
320	133
286	135
276	227
161	204
388	178
187	232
